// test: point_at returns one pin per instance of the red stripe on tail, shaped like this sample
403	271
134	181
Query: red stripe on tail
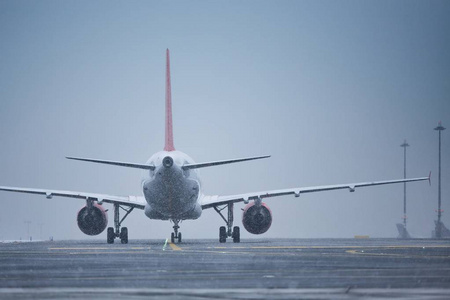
169	131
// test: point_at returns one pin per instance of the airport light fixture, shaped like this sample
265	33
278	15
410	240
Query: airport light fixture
438	230
404	145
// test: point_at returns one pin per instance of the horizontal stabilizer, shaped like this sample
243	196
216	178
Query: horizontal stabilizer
115	163
221	162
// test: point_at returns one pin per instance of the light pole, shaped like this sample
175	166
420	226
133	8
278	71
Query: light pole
438	229
404	145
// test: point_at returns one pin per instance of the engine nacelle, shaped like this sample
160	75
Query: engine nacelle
257	219
92	221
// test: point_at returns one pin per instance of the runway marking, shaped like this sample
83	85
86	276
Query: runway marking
99	248
403	255
340	250
226	276
174	247
343	247
332	247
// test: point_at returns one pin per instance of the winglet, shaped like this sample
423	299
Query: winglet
429	178
169	132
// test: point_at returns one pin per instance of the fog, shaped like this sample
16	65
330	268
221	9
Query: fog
330	89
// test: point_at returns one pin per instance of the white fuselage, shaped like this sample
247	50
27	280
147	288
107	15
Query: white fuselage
171	192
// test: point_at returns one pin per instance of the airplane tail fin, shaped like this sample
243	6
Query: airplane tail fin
169	131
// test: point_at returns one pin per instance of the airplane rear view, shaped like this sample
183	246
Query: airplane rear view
172	191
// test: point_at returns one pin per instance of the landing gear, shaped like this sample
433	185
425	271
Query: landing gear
175	235
115	232
229	230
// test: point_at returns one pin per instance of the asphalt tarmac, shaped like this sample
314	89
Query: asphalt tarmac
206	269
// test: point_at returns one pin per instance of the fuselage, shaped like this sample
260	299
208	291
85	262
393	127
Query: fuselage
170	191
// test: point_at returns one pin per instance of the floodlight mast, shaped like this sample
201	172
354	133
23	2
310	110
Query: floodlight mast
404	145
439	211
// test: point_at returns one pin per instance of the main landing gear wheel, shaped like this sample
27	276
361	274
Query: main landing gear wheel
110	235
124	235
222	234
236	234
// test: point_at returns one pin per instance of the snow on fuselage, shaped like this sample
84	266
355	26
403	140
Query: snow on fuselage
170	191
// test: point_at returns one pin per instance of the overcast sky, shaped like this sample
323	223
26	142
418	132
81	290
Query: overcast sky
330	89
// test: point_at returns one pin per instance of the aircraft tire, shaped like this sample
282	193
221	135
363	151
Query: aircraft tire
110	235
124	235
179	237
222	234
236	234
172	237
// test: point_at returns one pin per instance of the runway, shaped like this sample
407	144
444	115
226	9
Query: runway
144	267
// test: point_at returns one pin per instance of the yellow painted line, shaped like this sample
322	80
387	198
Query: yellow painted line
116	252
80	248
231	247
174	247
99	248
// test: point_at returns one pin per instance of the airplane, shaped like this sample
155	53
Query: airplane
172	191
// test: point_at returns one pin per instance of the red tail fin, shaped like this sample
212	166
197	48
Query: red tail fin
169	132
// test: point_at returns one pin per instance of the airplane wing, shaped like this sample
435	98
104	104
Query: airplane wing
212	201
130	201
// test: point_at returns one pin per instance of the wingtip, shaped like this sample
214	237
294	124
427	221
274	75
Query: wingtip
429	178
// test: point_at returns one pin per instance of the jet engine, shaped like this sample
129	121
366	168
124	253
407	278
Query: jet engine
92	220
257	218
